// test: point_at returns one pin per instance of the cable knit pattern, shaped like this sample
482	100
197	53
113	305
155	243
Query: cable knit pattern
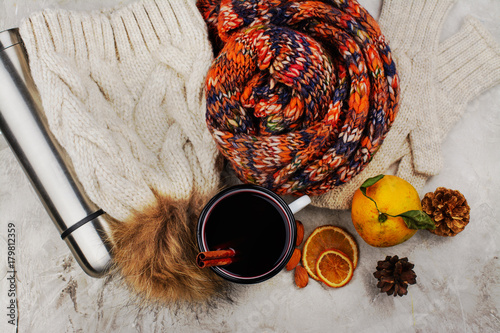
437	82
123	94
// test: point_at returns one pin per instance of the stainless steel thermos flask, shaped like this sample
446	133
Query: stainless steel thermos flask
80	222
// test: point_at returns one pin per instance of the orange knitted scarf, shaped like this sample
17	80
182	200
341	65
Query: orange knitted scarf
301	94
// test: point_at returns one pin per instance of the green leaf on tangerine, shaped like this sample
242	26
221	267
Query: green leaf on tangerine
369	182
417	219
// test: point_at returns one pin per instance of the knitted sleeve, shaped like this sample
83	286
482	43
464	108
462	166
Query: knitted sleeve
468	63
437	82
414	28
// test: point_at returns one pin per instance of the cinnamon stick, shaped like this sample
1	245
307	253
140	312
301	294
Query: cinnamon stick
215	258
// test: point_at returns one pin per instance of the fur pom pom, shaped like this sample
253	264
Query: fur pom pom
155	252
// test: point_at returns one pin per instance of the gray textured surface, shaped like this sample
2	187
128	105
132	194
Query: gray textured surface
457	287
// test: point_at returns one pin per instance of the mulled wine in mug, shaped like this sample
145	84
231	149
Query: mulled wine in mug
247	233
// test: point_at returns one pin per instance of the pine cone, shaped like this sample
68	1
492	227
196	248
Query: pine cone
395	275
448	209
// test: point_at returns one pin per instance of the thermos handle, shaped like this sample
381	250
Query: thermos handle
22	121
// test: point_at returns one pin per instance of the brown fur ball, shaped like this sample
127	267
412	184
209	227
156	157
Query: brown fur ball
156	250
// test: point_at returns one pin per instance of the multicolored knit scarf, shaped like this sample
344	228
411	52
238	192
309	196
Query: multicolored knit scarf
301	94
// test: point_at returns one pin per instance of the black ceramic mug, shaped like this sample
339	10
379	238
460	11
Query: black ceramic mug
254	222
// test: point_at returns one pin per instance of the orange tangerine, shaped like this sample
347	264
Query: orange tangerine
393	196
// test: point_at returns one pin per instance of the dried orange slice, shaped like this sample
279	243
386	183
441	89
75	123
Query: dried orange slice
327	237
334	268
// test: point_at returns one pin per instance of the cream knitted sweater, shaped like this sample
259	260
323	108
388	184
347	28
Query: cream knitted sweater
438	79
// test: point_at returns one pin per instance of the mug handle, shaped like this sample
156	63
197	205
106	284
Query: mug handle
299	203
